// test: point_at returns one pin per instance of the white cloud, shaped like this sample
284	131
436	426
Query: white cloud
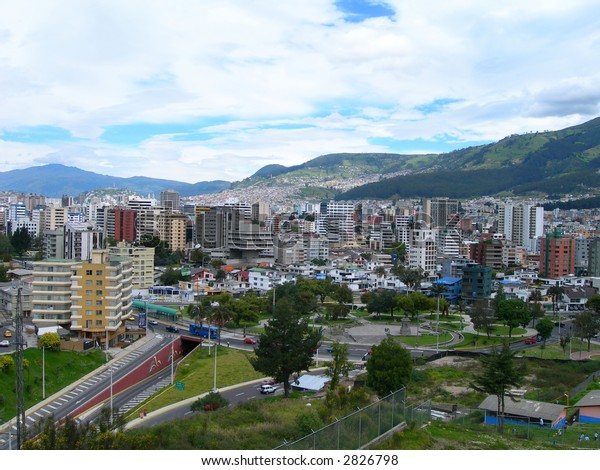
262	70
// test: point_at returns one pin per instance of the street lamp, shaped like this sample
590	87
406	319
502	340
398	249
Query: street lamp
437	325
43	373
215	371
111	396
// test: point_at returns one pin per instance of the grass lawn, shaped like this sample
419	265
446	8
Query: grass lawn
555	351
473	341
62	368
449	318
196	371
503	331
423	340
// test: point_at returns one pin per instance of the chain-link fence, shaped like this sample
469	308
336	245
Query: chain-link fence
358	429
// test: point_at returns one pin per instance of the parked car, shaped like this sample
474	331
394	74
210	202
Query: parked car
249	340
5	343
172	329
531	341
7	334
266	389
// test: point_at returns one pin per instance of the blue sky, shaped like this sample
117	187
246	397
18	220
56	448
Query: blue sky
204	90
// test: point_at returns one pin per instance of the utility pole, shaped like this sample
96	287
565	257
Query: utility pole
20	394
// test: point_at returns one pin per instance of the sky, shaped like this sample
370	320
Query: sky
203	90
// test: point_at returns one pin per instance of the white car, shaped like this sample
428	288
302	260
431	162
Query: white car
5	343
266	389
153	322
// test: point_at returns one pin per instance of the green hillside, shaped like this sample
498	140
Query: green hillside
565	161
339	166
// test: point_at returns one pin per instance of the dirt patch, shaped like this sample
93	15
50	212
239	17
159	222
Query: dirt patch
455	361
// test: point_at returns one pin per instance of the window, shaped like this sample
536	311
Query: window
99	302
99	283
88	292
98	312
88	302
88	312
98	273
98	322
98	292
88	272
88	282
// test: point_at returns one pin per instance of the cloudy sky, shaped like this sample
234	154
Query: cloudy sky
199	90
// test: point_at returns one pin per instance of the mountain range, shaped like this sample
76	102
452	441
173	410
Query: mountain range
536	163
54	180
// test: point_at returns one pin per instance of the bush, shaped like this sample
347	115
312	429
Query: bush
307	423
210	402
6	362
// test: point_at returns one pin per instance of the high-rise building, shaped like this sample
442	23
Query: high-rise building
422	252
101	297
439	211
125	223
51	292
169	199
557	255
521	223
594	257
172	230
142	262
80	239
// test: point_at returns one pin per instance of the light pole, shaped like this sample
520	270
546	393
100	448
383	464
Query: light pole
437	325
43	373
215	372
111	396
172	360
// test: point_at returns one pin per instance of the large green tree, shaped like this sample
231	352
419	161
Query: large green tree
593	304
389	367
499	374
339	366
586	326
21	240
287	344
513	313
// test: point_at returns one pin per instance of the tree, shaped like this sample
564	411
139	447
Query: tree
389	367
593	304
170	277
6	249
287	344
410	277
513	312
339	366
555	292
483	317
398	253
20	240
498	376
197	256
217	263
586	326
380	272
220	275
50	341
544	328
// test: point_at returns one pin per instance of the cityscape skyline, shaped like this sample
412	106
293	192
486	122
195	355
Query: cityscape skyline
198	92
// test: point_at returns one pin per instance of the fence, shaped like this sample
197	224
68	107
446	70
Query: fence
358	429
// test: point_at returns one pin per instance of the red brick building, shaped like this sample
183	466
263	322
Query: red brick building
557	256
